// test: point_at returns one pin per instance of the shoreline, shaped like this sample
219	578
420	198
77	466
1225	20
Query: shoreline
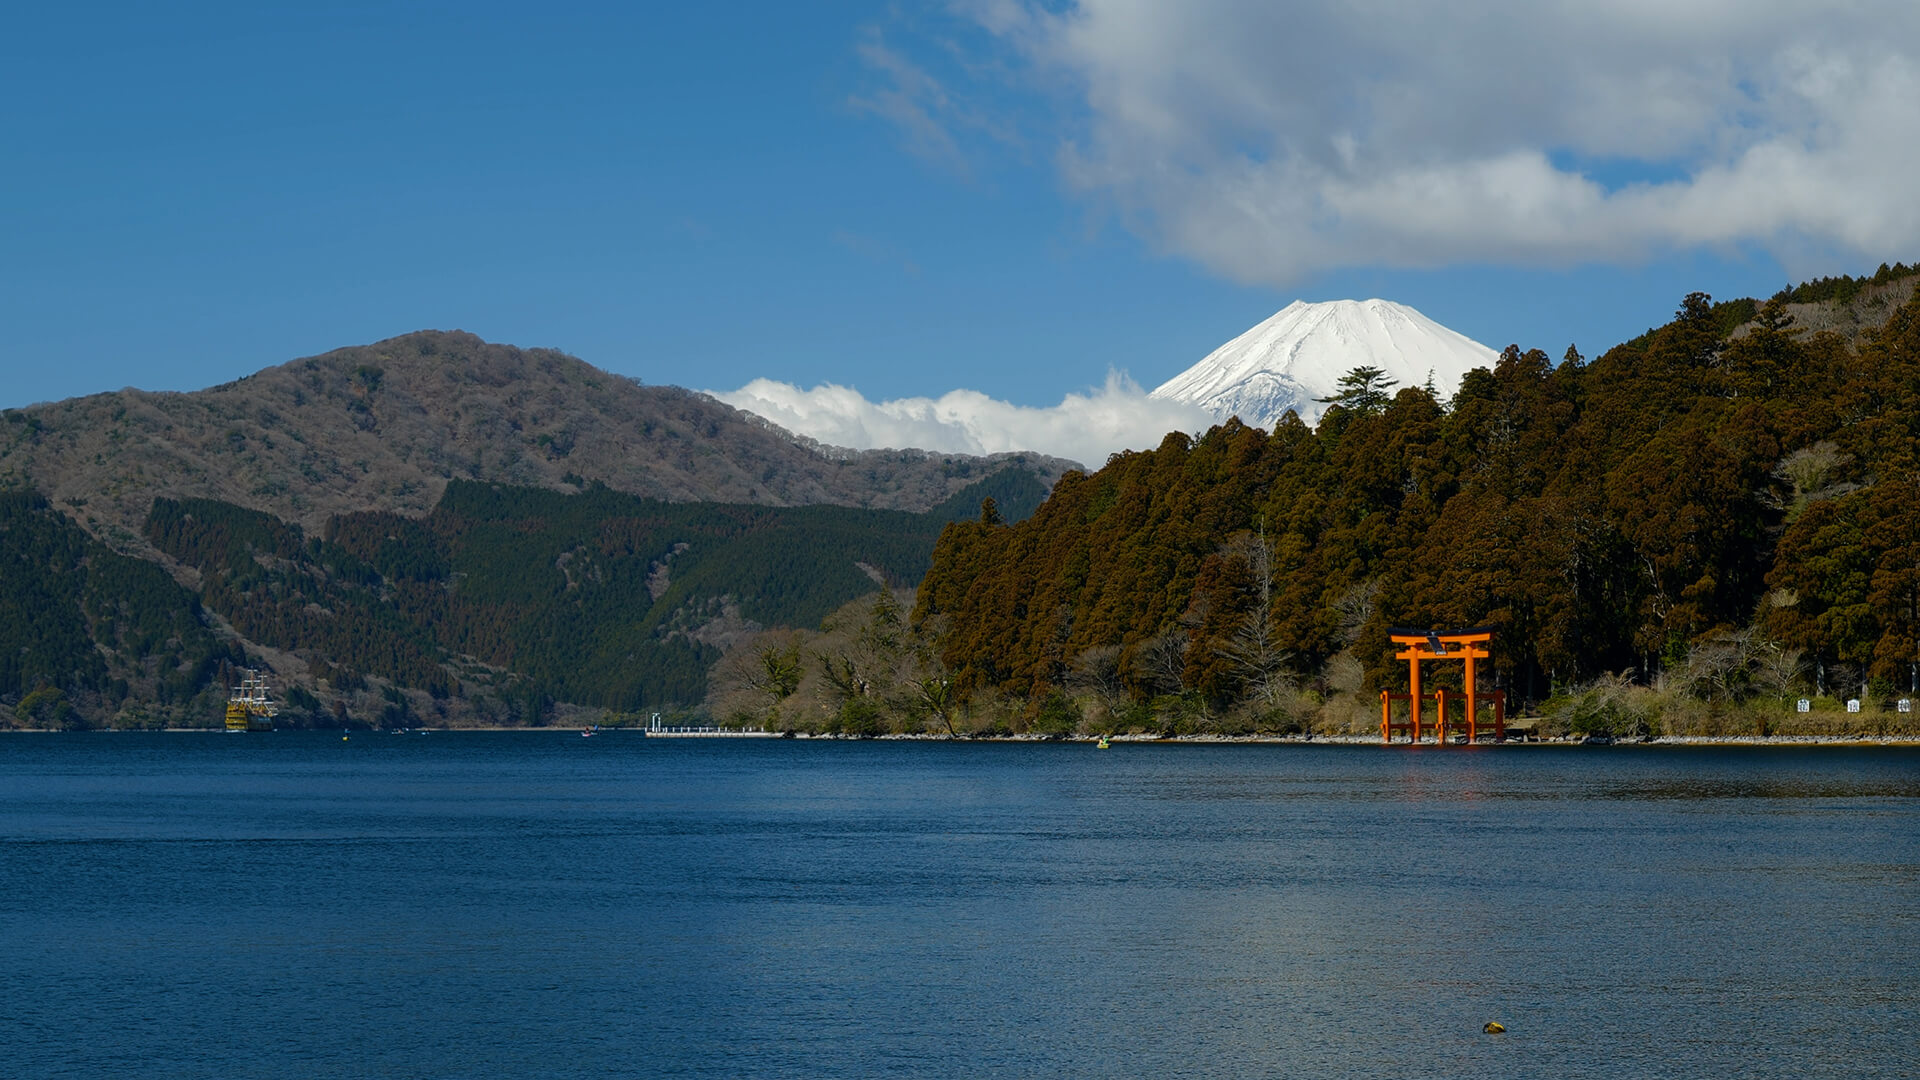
1132	739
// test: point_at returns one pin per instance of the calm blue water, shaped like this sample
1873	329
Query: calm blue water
542	905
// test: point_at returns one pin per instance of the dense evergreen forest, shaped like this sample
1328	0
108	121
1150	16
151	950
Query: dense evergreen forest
1706	521
498	604
1721	516
85	631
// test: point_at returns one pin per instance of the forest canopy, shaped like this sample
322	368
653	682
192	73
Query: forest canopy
497	605
1723	508
1692	498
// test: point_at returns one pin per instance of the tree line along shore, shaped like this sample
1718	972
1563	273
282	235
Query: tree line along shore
1685	537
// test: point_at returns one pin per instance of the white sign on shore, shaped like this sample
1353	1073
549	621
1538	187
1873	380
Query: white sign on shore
1906	705
1805	705
1853	704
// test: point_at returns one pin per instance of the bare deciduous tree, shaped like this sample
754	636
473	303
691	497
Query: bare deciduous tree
935	694
1354	608
1806	472
1778	668
755	680
1254	649
1160	661
1098	672
775	674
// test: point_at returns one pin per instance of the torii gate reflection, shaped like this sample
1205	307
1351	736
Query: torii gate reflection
1417	645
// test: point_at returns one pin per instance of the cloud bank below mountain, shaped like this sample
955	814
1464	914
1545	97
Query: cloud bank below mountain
1085	427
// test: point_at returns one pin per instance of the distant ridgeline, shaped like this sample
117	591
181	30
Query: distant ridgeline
1738	510
499	602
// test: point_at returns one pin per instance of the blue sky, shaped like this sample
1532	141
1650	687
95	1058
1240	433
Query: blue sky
901	199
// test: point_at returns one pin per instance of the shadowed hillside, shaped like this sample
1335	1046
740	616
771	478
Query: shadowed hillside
499	606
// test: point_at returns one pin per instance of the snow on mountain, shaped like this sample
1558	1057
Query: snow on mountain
1300	354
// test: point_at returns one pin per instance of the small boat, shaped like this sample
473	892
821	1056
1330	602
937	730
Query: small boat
1103	744
590	732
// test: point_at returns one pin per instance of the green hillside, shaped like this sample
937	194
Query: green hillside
497	604
86	632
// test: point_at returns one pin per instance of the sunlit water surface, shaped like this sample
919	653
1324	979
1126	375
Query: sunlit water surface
542	905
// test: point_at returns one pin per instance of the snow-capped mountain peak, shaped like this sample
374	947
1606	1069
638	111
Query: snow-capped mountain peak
1299	355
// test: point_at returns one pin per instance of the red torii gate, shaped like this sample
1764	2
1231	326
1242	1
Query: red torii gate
1418	645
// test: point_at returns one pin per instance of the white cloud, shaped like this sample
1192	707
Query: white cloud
1270	141
912	100
1083	427
915	90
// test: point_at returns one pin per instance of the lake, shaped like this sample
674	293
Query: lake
538	904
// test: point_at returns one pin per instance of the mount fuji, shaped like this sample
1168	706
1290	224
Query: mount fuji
1299	355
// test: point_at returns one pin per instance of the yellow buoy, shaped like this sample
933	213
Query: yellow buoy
1494	1027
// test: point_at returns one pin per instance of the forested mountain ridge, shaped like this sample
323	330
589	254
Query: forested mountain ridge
385	427
1725	504
1736	509
499	606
